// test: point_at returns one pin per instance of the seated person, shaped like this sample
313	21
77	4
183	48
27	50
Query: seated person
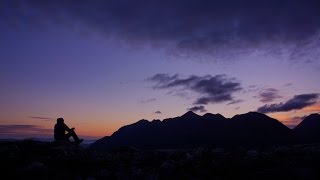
60	132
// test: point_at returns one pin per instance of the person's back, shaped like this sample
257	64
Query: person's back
59	130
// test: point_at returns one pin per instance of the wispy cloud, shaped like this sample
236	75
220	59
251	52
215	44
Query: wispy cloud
145	101
268	95
210	89
297	102
39	117
289	84
299	118
22	130
158	112
235	102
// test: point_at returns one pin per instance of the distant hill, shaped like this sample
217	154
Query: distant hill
309	129
191	130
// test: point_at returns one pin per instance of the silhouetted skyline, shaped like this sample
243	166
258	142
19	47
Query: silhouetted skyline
105	64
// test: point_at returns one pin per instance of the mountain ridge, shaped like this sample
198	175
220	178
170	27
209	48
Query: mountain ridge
192	130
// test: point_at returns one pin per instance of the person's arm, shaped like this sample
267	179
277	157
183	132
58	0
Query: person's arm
67	128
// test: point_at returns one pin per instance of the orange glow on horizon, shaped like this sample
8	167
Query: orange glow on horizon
293	118
286	119
312	109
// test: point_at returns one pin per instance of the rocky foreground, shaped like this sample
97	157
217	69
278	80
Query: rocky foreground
47	160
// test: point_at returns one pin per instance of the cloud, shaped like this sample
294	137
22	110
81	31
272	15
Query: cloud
222	28
144	101
269	95
210	89
297	102
39	117
235	102
299	118
287	85
198	108
251	88
18	130
158	112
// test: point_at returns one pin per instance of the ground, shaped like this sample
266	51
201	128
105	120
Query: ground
30	159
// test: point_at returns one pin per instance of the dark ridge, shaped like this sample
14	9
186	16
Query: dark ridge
308	130
191	130
254	128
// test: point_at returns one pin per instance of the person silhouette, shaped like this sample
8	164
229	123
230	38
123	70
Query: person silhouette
60	134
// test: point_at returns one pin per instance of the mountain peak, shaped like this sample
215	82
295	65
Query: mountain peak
190	114
314	115
254	113
310	120
209	115
309	128
250	114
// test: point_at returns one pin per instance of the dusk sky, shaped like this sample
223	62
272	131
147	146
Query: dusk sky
104	64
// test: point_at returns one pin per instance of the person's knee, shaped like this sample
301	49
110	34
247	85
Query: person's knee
72	132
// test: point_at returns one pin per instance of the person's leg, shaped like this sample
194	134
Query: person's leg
67	137
75	137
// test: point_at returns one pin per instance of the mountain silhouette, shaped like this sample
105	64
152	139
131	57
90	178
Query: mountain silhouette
191	130
259	129
308	130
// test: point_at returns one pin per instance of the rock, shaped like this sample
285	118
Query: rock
90	178
189	156
282	151
239	151
123	149
218	151
36	165
104	173
167	168
69	151
9	151
252	154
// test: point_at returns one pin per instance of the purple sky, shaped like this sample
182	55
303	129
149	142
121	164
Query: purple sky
104	64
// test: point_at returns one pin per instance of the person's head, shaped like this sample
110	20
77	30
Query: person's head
60	120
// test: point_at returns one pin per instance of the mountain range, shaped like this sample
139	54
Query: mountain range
191	130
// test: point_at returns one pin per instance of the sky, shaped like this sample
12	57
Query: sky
104	64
